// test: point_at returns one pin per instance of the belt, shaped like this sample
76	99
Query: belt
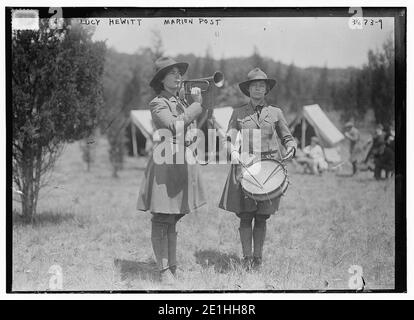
266	153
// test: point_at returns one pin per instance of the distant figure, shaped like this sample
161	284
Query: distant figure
352	134
378	139
384	160
315	154
390	137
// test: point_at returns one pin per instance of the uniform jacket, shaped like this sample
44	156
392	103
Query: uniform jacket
171	188
273	126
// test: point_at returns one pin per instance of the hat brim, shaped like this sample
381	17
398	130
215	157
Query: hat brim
182	67
244	86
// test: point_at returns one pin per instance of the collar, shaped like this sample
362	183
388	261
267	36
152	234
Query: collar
264	104
264	112
168	95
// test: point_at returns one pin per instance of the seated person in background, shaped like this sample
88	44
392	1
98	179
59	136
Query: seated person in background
315	154
384	160
377	140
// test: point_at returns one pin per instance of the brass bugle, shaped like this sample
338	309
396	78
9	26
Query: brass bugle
204	84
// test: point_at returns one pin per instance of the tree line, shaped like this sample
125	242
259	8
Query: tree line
352	91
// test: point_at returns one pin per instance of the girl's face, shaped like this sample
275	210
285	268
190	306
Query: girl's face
172	80
257	90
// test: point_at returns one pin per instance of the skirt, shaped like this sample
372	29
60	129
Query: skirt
171	188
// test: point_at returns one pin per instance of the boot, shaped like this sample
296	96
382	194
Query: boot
246	241
259	234
247	263
167	277
172	252
256	263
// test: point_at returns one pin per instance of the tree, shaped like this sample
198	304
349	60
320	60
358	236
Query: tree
256	60
195	69
157	48
56	97
381	68
223	66
208	65
131	99
274	72
322	91
289	84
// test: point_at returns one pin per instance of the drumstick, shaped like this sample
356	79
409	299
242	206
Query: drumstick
248	171
271	174
253	183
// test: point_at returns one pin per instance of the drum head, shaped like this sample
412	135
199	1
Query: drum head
261	170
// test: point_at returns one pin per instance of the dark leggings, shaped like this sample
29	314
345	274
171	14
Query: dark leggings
247	219
164	225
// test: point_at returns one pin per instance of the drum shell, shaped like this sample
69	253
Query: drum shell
270	196
273	193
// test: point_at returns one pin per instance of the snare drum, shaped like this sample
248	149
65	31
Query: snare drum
272	175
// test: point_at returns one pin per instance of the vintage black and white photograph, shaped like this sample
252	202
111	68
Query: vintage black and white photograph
206	150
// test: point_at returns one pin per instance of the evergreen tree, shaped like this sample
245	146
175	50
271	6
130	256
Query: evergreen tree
223	66
196	69
289	84
131	98
208	65
56	98
256	60
157	49
322	88
381	67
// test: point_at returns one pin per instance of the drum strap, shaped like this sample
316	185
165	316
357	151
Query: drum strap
268	153
274	121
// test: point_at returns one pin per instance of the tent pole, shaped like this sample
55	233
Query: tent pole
303	140
134	139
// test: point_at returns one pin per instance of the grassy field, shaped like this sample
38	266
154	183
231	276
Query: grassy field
87	224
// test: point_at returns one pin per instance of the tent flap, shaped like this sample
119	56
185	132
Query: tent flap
142	119
222	117
324	127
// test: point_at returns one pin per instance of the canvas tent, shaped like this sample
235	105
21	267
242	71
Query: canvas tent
312	121
222	118
141	120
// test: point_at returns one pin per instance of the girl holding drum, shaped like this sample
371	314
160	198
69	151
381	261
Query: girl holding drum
257	114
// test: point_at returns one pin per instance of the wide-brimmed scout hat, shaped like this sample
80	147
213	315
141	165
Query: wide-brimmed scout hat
255	75
349	124
162	66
